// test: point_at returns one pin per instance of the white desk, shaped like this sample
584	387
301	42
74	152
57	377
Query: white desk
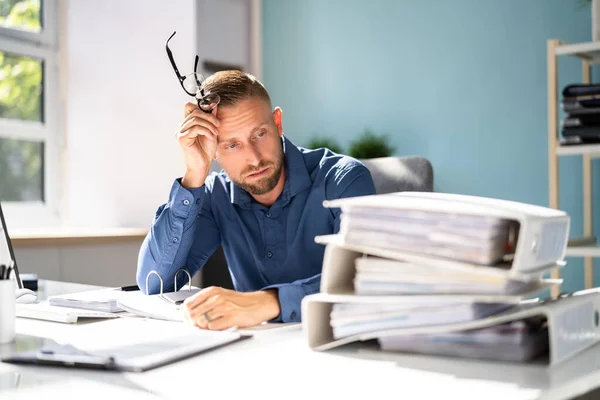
278	364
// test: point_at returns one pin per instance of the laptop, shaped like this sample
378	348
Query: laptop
7	254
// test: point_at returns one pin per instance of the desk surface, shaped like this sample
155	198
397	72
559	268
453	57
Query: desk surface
278	364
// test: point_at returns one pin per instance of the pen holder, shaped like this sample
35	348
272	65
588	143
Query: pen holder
7	311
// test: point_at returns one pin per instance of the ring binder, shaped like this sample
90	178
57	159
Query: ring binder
174	279
174	297
189	279
571	323
159	277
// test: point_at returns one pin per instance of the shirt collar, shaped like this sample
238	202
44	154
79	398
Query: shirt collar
296	178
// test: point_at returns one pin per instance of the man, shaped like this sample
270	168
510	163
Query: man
265	209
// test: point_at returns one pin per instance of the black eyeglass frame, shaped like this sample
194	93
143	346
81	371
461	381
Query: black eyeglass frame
203	95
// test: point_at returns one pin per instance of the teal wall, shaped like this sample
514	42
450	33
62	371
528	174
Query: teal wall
461	82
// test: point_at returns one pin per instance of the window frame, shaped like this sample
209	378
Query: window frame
42	46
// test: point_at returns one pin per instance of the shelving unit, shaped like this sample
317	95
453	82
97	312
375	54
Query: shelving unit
589	54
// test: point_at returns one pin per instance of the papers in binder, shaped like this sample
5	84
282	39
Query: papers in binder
514	341
470	238
104	300
353	319
447	274
160	306
68	315
377	275
520	237
151	306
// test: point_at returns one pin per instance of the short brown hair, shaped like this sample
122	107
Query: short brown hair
233	86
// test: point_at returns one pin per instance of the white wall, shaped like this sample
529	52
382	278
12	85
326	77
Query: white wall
123	104
123	101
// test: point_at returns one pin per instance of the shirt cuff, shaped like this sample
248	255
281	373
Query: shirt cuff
182	201
290	297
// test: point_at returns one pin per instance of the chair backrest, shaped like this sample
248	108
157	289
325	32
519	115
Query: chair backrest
400	174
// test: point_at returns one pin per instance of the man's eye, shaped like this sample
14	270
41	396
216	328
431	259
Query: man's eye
261	134
231	146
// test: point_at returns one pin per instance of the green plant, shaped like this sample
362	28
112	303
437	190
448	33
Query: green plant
326	142
370	145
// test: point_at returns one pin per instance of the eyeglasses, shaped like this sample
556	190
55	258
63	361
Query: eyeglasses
193	84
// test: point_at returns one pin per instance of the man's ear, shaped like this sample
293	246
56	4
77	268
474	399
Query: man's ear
278	119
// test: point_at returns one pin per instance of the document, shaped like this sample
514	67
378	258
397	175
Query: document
381	276
354	319
514	341
44	311
97	300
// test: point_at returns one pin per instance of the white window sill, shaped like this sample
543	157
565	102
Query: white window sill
74	236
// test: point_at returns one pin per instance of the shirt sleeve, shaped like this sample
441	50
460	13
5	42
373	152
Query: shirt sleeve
355	182
183	235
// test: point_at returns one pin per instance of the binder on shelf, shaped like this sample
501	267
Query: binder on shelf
539	234
573	322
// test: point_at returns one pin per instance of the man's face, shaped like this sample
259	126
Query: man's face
249	145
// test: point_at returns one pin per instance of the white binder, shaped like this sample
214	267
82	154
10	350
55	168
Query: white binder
339	271
573	322
541	240
542	232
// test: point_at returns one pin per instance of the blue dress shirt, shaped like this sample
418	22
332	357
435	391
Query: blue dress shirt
265	247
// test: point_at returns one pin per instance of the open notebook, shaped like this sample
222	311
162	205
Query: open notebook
153	306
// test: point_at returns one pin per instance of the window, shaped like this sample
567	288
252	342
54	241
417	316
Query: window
28	111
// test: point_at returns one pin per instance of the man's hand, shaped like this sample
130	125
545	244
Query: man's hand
197	137
216	308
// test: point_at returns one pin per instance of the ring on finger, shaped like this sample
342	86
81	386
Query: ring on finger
207	317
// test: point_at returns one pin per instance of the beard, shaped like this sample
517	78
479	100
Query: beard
265	184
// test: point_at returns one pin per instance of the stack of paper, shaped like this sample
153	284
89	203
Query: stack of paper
381	276
354	319
477	257
471	238
513	341
105	300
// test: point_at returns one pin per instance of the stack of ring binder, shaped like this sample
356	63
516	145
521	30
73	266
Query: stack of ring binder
450	275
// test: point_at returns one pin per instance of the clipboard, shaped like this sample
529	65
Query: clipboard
66	355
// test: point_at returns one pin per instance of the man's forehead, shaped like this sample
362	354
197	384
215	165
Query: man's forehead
245	108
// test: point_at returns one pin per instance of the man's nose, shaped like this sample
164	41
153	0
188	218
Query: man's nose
253	156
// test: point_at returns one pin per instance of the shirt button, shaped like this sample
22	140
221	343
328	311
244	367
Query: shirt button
198	201
174	240
186	202
293	315
268	215
269	254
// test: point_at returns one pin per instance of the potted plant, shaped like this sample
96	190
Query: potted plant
370	145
